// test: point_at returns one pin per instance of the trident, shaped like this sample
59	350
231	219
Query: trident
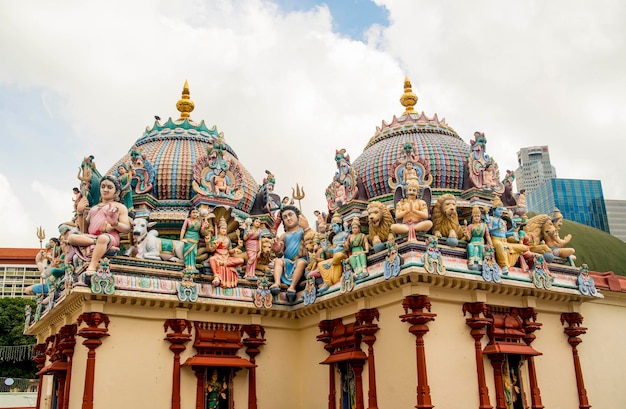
298	194
41	235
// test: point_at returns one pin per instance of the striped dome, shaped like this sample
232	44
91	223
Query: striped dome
173	148
434	143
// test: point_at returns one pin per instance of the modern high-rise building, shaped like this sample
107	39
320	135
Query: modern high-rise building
616	213
578	200
17	271
534	168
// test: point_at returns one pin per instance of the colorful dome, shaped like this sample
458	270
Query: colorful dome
174	150
429	141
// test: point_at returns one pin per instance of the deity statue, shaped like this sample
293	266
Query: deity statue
555	242
320	221
216	390
124	174
224	260
358	246
478	235
90	180
507	253
101	227
251	238
585	282
408	167
343	188
142	172
412	213
335	251
483	169
190	236
217	174
289	266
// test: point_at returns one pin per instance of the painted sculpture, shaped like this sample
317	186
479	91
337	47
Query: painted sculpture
223	261
411	213
143	172
358	246
446	220
289	267
343	188
554	240
507	253
478	236
101	227
379	220
190	236
483	169
336	249
251	239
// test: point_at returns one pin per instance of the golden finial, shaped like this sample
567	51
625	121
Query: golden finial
408	99
184	104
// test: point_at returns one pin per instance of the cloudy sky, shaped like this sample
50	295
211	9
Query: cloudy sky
288	82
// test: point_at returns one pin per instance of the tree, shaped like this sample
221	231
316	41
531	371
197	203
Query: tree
12	334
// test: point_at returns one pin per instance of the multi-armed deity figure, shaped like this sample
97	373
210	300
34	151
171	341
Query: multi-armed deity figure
483	170
507	253
224	259
411	213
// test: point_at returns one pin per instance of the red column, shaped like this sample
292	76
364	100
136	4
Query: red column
357	367
496	363
573	330
178	339
530	325
92	334
68	342
326	328
253	342
39	356
418	319
199	387
367	328
477	325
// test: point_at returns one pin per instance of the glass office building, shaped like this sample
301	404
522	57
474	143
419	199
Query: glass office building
578	200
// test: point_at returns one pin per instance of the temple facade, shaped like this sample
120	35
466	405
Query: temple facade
424	284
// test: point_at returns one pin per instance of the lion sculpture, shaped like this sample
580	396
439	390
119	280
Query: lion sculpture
379	221
445	218
542	235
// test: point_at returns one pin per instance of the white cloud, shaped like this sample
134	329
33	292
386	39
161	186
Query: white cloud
16	226
287	91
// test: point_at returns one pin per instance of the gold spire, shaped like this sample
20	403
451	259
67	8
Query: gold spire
408	99
184	104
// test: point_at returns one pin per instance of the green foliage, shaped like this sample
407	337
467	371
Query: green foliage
601	251
11	334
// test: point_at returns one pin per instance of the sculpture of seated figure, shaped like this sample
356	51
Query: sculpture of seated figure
478	235
222	261
555	242
507	253
289	266
412	213
332	267
101	228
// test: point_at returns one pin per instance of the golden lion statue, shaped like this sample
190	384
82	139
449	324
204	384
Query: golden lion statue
445	218
543	237
379	220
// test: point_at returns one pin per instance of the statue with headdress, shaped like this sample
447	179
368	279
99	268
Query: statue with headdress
483	170
223	262
358	247
507	253
412	213
477	235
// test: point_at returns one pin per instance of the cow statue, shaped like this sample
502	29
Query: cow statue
149	246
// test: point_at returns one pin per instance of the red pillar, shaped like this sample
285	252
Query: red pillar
477	325
530	325
199	387
92	334
68	342
367	328
178	339
573	330
39	356
418	318
326	329
357	367
253	342
496	362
